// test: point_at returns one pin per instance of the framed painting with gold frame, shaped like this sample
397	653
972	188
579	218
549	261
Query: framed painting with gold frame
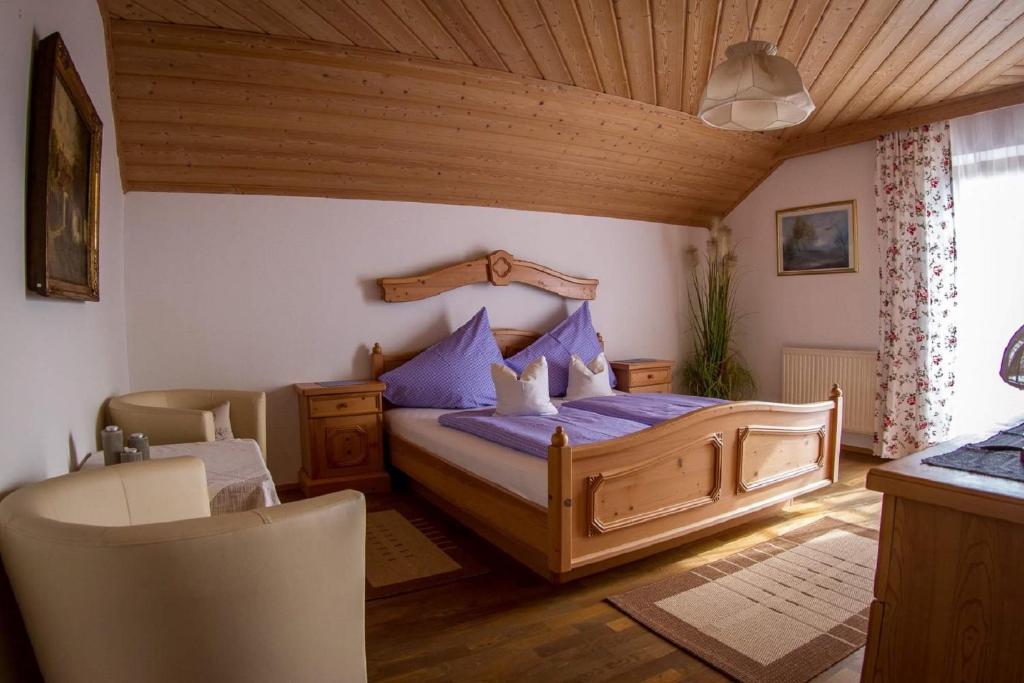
821	238
62	232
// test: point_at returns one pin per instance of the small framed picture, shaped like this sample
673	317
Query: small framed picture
817	239
63	180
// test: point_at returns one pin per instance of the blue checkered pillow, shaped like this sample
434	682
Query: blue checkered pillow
453	373
574	335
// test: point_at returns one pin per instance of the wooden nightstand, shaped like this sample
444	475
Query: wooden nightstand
342	441
643	375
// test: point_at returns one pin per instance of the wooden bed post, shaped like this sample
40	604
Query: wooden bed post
836	429
376	361
560	503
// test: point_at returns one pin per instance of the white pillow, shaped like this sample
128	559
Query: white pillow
526	395
587	381
222	422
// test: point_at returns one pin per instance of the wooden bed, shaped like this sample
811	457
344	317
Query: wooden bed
615	501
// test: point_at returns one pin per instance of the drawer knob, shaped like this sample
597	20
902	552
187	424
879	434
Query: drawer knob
342	404
650	376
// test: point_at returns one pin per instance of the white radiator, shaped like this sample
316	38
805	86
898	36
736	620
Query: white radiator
808	376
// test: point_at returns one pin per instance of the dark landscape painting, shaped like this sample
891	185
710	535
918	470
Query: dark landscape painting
63	203
817	239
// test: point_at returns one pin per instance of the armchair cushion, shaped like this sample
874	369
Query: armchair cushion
186	415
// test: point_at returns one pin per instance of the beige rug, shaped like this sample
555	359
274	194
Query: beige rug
780	612
407	551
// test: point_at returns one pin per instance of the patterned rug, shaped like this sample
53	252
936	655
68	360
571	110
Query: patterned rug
407	549
781	612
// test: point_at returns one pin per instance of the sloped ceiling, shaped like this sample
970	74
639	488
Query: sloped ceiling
578	106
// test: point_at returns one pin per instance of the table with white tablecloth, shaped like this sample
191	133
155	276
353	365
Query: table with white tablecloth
236	477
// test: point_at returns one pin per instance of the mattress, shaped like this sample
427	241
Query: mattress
516	472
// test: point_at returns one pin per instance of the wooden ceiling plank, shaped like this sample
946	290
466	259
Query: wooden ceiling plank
174	12
533	28
265	18
421	166
733	27
701	29
668	18
801	26
992	71
154	49
144	137
770	20
991	51
495	23
354	27
330	143
934	31
415	15
861	131
827	36
1003	81
339	112
131	10
392	29
567	28
635	31
457	20
926	58
598	18
983	34
880	46
299	14
221	15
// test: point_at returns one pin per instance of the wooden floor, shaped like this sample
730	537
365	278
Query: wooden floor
509	625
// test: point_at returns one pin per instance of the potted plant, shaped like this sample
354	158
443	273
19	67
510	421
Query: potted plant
714	369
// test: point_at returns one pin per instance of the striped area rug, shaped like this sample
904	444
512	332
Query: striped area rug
780	612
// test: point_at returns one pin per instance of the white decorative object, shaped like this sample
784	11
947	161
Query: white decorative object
588	381
525	395
755	89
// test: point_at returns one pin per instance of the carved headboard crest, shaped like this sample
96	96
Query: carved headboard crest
499	268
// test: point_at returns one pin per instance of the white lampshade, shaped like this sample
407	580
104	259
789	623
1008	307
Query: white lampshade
754	89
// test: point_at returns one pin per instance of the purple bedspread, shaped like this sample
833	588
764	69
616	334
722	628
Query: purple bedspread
532	434
649	409
585	421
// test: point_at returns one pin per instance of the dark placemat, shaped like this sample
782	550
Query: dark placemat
1005	464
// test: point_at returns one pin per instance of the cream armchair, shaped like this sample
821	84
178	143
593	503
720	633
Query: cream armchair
121	575
186	415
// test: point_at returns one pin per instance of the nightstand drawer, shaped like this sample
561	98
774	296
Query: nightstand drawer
652	389
353	404
645	378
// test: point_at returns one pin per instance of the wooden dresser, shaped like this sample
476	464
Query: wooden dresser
949	586
646	375
341	429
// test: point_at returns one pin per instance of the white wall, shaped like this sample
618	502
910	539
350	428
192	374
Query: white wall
61	359
835	310
262	292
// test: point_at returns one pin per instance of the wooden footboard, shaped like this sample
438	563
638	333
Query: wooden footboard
611	501
614	501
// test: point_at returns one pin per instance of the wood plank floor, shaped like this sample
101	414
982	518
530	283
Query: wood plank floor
509	625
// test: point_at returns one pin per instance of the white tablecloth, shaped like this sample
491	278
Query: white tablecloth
236	477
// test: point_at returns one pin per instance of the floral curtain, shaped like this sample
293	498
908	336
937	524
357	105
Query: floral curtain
917	327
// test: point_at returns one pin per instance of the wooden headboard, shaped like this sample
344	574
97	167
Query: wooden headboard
499	268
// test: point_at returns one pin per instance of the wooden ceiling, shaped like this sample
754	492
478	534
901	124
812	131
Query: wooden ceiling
579	106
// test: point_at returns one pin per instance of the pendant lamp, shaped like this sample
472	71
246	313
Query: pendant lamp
1012	369
754	90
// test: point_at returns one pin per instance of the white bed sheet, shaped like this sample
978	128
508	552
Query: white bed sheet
522	474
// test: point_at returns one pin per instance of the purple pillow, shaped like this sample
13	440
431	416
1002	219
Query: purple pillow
574	335
453	373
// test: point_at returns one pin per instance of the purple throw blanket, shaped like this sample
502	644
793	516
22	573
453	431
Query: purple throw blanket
585	421
649	409
532	433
